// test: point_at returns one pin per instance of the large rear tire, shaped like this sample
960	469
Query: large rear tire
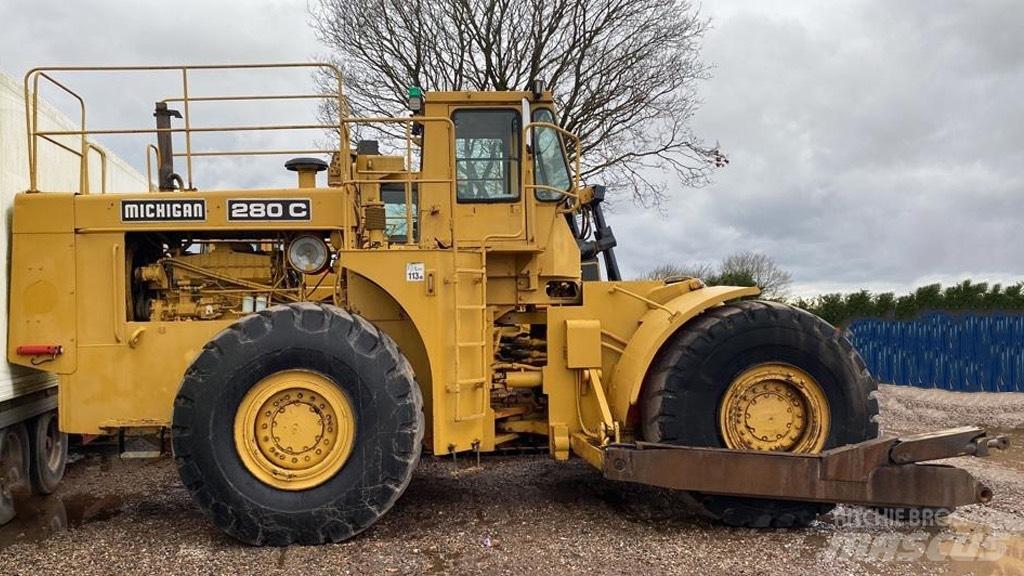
761	376
300	424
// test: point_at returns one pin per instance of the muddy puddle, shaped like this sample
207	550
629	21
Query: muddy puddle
38	518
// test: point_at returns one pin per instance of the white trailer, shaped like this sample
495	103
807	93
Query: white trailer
33	451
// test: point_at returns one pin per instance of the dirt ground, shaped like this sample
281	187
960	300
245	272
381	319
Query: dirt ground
527	514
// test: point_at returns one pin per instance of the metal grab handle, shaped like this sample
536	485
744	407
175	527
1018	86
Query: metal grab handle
114	291
103	169
577	162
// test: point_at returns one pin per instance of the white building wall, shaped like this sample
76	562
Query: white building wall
58	172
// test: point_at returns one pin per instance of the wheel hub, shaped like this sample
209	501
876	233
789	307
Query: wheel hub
294	429
774	407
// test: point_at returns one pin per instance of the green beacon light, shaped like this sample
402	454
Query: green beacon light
415	99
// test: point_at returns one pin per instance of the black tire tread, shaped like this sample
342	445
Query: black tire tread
690	343
246	526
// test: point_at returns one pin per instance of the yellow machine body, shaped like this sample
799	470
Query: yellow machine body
476	281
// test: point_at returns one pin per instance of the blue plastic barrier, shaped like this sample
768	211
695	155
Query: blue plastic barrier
964	352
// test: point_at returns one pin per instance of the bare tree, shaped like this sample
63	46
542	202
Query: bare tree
759	268
739	269
669	271
623	72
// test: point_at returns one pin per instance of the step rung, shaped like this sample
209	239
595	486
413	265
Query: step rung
480	380
475	343
472	306
477	271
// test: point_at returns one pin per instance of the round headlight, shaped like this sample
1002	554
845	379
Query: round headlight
308	254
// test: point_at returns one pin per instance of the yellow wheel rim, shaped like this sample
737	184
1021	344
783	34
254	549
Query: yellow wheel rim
774	407
294	429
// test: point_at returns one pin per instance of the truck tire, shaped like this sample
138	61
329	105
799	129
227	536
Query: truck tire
13	467
48	453
300	424
704	386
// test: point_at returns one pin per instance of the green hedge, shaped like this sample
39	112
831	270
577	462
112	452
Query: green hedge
840	309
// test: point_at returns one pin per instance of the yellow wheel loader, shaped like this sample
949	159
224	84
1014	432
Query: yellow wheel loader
436	290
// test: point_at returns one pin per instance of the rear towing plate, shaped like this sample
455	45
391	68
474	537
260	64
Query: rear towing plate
883	472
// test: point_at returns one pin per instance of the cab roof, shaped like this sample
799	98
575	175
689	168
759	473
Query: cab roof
492	97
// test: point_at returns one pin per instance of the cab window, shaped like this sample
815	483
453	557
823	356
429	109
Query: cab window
549	163
487	155
393	196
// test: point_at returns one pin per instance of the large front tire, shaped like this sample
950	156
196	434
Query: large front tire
759	376
350	416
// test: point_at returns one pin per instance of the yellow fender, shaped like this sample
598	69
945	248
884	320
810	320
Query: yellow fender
656	326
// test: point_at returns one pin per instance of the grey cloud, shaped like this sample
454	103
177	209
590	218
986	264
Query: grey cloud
876	147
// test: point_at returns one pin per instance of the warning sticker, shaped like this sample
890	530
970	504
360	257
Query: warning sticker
414	272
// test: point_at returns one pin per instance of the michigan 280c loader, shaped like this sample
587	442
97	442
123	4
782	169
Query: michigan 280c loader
305	345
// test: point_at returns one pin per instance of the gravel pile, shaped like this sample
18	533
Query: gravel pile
514	515
905	408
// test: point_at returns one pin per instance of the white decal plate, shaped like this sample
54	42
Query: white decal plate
415	272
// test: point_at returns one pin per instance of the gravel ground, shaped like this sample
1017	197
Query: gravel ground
516	515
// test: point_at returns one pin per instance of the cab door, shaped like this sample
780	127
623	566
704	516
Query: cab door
489	188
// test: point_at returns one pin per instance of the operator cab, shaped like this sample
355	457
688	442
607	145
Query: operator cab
516	185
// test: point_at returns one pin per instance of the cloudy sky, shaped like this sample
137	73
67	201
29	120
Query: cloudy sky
873	144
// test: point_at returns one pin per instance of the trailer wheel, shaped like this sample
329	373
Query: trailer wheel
13	467
302	423
759	376
48	453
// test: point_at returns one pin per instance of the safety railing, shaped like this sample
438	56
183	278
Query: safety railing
187	100
84	145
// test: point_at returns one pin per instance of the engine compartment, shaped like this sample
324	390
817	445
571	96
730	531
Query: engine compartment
174	277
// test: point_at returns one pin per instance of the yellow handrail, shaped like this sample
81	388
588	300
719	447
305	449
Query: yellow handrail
577	162
32	90
103	169
32	121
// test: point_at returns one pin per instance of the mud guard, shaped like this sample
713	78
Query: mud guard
656	326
